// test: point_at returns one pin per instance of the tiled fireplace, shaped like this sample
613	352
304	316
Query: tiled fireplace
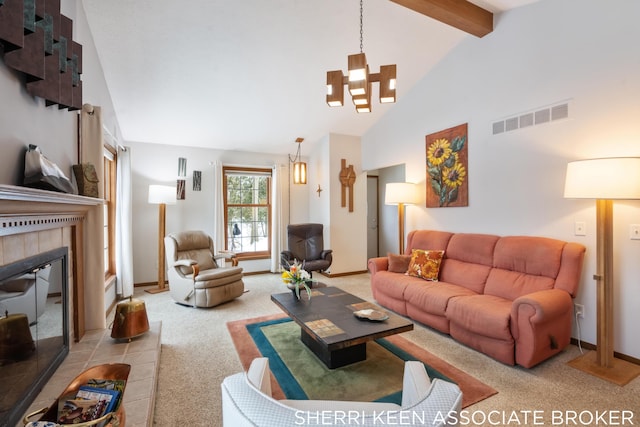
34	222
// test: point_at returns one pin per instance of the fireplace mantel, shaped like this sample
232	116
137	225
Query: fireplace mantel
28	211
33	195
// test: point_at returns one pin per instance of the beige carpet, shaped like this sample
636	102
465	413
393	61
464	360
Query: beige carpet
198	353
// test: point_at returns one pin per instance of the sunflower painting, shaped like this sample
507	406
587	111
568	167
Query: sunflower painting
447	172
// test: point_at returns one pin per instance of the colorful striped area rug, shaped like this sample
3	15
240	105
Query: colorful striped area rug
299	374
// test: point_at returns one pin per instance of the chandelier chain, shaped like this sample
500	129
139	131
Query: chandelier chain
360	26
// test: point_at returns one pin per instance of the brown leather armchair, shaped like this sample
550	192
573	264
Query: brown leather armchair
306	245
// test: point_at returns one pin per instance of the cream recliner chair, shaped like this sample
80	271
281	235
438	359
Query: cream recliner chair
195	278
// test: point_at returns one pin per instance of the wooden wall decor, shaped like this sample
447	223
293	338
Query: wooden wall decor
347	179
37	41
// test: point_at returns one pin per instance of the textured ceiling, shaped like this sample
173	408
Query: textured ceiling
250	74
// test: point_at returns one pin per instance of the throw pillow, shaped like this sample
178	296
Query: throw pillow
398	263
425	264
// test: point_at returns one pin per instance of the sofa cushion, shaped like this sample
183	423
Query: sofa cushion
394	284
486	315
539	256
398	263
427	239
434	297
472	248
471	276
425	264
512	284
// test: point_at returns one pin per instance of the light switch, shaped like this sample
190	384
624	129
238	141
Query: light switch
580	228
634	231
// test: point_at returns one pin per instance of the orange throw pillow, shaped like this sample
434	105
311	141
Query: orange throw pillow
425	264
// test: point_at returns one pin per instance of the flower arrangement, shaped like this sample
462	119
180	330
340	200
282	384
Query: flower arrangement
446	173
297	277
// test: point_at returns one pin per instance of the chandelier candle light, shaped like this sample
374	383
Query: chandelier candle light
359	81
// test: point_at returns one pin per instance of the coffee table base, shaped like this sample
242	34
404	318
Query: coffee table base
336	358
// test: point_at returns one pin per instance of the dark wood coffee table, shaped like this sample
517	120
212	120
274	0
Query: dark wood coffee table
331	330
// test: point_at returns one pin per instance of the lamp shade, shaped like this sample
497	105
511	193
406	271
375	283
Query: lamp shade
606	178
299	173
159	194
400	192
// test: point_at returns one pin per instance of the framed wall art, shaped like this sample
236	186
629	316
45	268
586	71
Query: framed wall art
197	180
447	168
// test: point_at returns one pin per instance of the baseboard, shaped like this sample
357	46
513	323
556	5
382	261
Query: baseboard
589	346
349	273
140	285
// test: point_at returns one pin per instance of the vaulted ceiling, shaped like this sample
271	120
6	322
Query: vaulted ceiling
250	74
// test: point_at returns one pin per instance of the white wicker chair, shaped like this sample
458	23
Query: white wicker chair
247	401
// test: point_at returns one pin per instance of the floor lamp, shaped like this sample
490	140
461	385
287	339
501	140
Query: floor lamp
605	180
400	193
161	195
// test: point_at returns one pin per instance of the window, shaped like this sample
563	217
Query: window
247	203
109	211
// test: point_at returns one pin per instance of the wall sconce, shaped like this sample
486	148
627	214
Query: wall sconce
299	167
161	195
359	81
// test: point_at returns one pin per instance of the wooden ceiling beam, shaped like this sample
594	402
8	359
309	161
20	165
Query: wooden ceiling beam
460	14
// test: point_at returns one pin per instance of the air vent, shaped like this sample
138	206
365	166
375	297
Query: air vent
536	117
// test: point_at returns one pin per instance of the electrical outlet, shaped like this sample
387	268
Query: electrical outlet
634	231
579	310
580	228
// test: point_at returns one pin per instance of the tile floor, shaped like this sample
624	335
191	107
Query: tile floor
97	347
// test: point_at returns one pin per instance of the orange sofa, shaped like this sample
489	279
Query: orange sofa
508	297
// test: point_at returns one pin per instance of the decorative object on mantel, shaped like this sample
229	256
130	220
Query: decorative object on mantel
37	42
86	179
359	81
605	180
299	167
347	179
447	170
40	172
130	320
162	195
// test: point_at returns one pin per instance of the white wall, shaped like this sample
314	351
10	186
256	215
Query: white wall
344	232
537	55
158	164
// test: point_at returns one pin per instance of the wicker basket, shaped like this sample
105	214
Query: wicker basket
109	371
